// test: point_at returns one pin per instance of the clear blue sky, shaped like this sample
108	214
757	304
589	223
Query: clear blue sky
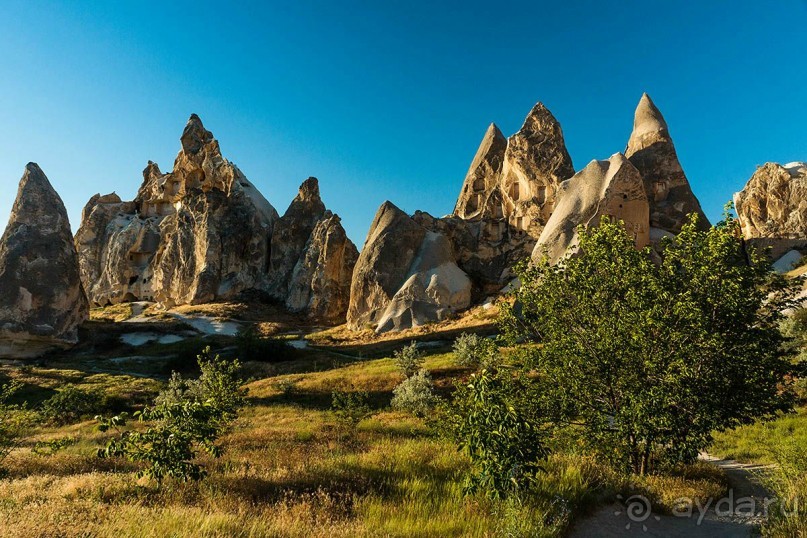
387	99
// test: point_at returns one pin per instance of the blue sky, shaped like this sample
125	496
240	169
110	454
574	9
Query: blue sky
389	99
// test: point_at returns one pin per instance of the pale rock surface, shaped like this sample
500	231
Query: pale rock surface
773	204
651	150
435	288
515	180
611	188
198	233
787	262
42	302
320	283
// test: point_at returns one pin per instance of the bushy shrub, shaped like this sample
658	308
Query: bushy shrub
188	416
71	404
415	394
351	407
474	351
409	359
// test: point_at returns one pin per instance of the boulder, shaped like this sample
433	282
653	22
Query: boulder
612	188
42	302
651	150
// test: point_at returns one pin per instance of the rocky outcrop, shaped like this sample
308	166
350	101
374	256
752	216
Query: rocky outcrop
405	275
651	150
312	259
612	188
198	233
773	204
434	289
516	180
392	243
42	302
203	232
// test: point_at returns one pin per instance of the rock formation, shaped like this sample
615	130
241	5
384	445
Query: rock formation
612	188
42	302
772	207
516	180
651	150
312	259
195	234
203	232
405	275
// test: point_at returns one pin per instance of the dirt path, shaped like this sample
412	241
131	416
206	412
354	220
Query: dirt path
736	515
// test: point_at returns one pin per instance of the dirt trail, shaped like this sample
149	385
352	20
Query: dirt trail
737	515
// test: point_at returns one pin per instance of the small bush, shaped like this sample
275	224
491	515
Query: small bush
409	359
350	408
415	394
188	416
474	351
15	420
71	404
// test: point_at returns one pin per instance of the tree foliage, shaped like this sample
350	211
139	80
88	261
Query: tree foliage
499	429
187	417
647	356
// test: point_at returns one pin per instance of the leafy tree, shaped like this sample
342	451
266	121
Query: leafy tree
188	416
409	359
648	357
475	351
498	428
415	394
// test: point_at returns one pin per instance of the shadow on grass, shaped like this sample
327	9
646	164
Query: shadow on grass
318	400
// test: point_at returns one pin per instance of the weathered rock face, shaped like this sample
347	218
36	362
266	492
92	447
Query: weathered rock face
198	233
42	302
383	265
434	289
651	150
612	188
312	259
516	179
773	204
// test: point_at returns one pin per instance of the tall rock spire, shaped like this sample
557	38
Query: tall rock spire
651	150
42	302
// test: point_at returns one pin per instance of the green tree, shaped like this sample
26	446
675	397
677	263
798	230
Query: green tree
500	430
187	417
647	356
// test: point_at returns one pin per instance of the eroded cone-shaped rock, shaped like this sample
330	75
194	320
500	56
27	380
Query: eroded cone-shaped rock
291	234
484	177
651	150
319	285
434	289
42	302
772	208
535	163
198	233
611	188
383	265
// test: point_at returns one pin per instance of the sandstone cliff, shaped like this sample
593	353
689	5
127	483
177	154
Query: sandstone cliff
42	302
